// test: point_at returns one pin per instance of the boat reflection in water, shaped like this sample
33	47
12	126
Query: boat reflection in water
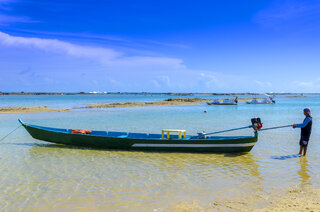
118	179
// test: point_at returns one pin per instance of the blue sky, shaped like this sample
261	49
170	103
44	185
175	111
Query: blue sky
160	46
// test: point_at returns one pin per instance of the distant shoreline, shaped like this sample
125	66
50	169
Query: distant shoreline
147	93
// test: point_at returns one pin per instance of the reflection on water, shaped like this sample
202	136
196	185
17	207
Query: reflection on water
303	172
99	179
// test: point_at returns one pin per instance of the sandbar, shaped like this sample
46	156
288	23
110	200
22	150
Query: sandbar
167	102
140	104
29	109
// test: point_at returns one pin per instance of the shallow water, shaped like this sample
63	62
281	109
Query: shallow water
76	101
38	176
82	100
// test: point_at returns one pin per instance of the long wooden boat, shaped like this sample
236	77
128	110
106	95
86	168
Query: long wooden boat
143	141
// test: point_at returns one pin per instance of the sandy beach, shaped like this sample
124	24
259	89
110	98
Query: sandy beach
29	109
296	199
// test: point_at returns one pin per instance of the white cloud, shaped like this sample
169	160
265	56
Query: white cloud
135	61
162	82
263	84
57	46
175	45
7	19
111	70
106	56
76	35
210	80
308	84
297	13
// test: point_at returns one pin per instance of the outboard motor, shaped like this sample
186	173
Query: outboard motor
256	124
202	135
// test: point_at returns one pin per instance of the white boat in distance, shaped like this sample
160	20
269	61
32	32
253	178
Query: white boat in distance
233	101
266	100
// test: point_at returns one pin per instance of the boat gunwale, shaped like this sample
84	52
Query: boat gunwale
211	138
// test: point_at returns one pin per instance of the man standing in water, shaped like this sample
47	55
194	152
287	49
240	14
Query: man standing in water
305	131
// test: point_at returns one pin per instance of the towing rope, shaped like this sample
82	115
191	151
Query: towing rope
10	133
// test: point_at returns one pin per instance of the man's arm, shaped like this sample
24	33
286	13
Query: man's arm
302	125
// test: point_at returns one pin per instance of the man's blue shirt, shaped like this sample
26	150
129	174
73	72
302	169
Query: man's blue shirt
305	122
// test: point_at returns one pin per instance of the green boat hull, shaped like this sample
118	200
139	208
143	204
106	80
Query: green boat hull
149	142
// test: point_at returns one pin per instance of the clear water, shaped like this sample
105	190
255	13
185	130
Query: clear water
76	101
38	176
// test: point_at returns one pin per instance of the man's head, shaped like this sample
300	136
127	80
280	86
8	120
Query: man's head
307	112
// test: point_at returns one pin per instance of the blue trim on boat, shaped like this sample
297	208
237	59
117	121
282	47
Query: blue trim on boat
128	135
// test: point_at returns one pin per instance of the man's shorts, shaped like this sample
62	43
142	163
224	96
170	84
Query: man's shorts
303	143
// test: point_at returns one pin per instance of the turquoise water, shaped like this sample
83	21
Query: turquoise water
38	176
75	101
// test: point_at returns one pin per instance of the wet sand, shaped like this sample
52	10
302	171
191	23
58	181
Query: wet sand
296	199
29	109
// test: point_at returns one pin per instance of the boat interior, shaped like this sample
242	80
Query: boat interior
137	135
113	134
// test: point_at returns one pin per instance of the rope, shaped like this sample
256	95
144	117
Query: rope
10	133
240	128
271	128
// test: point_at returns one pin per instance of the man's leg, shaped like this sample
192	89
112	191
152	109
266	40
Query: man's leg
300	152
304	151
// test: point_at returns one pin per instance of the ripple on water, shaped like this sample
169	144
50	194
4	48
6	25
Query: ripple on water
37	176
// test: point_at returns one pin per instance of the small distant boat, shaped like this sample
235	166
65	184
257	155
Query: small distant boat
267	100
143	141
224	102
